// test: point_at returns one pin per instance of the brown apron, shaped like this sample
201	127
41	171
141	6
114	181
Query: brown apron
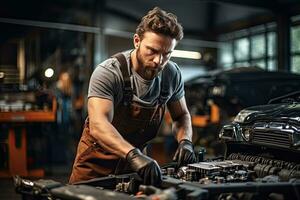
136	124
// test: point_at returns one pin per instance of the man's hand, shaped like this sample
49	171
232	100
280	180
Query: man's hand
146	167
184	153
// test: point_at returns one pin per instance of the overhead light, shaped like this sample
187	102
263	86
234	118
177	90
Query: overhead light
186	54
49	72
2	75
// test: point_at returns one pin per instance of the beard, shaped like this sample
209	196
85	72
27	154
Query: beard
146	71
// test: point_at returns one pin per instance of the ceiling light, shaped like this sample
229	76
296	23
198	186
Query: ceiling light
186	54
49	72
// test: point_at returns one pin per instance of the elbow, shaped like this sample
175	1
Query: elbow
94	129
98	128
91	130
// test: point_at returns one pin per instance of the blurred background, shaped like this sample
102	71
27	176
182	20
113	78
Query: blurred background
235	54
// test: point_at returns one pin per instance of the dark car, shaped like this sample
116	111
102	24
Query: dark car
275	125
228	92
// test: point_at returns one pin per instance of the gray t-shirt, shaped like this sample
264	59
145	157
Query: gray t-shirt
107	82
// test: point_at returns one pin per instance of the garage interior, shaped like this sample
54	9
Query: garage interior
49	49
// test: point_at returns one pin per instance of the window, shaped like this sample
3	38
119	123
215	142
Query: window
241	49
258	46
295	44
296	64
226	54
255	46
271	37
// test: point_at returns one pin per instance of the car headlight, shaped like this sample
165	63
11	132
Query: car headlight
231	132
246	134
227	132
240	118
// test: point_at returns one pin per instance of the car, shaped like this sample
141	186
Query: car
217	97
275	125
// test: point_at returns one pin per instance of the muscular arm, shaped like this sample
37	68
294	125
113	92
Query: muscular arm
182	125
100	116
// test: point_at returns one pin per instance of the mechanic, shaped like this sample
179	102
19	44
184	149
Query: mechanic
126	102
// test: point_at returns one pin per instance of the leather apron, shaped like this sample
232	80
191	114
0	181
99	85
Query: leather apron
136	124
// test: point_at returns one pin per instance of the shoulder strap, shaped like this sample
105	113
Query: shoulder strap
128	93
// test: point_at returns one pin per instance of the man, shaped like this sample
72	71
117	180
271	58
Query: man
126	103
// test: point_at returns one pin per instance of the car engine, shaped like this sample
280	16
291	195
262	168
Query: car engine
242	175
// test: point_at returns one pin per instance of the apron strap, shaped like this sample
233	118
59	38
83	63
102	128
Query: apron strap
127	90
163	91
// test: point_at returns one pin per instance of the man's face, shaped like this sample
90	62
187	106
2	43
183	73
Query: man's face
153	51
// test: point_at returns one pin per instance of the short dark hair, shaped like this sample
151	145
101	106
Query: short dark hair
159	21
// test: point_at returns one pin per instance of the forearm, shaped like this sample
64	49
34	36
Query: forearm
109	138
182	128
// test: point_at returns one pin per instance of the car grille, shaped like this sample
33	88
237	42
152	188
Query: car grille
273	138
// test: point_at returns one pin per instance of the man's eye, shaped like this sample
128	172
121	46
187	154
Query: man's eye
150	51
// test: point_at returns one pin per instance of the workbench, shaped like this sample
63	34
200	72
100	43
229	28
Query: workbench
16	142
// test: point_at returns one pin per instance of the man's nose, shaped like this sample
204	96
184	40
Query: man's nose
158	59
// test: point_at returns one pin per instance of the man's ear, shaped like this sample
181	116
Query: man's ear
136	41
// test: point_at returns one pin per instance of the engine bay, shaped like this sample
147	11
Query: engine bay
239	175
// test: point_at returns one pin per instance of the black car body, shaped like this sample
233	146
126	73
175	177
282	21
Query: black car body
268	134
231	91
275	125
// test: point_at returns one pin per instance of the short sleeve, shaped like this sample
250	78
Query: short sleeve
104	82
178	84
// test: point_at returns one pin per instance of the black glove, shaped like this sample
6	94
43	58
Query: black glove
184	153
146	167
